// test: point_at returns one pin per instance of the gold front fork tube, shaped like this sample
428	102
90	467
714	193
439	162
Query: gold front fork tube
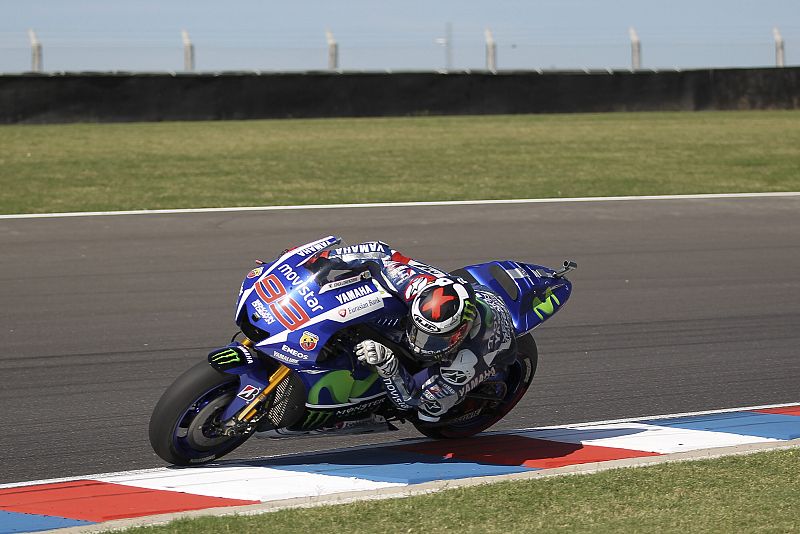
250	410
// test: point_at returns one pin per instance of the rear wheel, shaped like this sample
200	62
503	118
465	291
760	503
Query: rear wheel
184	427
478	411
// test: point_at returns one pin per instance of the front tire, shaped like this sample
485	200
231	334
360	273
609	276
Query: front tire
518	379
184	425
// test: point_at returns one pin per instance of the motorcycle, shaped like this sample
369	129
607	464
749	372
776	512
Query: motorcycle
291	370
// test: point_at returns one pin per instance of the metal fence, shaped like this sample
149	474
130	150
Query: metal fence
436	54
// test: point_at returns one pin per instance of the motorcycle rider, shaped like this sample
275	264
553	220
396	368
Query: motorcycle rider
461	335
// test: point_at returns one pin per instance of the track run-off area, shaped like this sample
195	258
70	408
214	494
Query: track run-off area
680	304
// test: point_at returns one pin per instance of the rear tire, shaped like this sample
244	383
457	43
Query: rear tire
518	379
182	430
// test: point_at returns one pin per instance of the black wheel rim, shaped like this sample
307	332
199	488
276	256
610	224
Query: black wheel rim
197	435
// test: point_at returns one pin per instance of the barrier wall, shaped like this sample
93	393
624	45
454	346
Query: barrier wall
120	97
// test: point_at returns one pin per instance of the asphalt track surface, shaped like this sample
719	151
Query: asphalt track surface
678	305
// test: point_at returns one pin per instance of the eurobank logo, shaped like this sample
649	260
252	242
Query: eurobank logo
358	307
545	308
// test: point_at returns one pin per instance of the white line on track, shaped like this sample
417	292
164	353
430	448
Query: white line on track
401	205
407	442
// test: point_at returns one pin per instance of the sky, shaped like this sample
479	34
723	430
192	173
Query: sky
263	35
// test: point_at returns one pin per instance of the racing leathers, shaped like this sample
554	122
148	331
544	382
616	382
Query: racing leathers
445	379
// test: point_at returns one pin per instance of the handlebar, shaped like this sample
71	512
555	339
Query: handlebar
568	266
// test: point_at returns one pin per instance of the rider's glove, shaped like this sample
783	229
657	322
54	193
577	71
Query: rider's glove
373	353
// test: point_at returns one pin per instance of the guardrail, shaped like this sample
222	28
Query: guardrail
123	97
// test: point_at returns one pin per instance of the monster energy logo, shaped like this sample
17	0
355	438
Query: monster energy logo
341	386
546	306
488	316
315	419
470	312
225	357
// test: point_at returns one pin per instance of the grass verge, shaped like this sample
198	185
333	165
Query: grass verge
88	167
753	493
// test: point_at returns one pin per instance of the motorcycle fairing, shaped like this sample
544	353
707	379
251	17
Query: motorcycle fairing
339	386
337	382
318	417
252	379
287	345
284	311
283	305
293	256
531	292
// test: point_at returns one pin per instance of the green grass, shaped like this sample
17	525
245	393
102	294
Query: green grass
81	167
754	493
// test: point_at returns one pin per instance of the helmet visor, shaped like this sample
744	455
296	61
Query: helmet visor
436	344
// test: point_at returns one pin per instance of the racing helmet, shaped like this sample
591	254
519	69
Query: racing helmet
442	314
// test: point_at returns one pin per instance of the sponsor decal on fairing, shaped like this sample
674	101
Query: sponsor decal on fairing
249	393
255	273
352	310
294	352
345	282
364	248
354	293
226	356
309	340
308	250
243	297
364	306
229	357
262	311
285	309
360	408
547	306
284	358
296	280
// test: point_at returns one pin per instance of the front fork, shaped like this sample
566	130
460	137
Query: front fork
240	422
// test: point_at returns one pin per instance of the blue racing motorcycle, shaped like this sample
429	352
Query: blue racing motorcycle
292	371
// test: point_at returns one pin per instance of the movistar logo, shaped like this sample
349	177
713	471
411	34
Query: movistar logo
547	306
341	386
226	357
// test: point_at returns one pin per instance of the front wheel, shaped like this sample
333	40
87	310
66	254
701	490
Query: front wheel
475	414
184	427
